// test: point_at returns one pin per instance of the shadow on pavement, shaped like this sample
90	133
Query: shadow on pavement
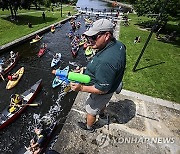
122	111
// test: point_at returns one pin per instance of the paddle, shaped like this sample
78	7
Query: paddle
13	108
2	77
30	104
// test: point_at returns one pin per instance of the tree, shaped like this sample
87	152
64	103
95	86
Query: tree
149	7
14	5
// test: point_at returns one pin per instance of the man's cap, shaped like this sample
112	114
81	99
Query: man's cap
101	25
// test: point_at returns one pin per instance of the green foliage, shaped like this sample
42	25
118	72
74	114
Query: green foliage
169	7
159	70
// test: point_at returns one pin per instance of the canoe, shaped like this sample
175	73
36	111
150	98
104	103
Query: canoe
41	51
57	80
55	60
7	118
49	131
36	40
9	64
12	83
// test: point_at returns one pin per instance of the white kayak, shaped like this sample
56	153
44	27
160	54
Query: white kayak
56	59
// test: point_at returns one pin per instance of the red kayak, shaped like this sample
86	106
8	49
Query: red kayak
41	52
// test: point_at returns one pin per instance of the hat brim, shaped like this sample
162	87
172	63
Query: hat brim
90	32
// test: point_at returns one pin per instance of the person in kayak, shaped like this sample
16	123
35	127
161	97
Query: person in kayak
37	37
15	102
52	27
44	45
13	77
56	56
37	142
106	70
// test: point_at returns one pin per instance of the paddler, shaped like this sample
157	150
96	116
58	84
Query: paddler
13	77
37	37
15	103
37	143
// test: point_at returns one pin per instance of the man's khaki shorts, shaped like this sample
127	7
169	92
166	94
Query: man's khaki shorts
95	103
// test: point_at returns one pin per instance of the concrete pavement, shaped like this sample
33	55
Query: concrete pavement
136	126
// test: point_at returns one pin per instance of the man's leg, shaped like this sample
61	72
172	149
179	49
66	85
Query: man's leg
90	120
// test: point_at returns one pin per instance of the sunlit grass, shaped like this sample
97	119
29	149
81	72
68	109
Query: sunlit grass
159	76
11	30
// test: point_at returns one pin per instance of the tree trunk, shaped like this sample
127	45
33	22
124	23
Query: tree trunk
15	16
12	14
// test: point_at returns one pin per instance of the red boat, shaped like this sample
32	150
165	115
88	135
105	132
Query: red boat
7	117
9	64
42	51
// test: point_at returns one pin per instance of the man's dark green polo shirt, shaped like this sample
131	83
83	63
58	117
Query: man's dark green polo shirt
107	67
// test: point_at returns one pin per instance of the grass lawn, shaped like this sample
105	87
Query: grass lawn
11	30
159	67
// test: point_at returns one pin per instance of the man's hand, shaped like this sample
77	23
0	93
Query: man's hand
76	86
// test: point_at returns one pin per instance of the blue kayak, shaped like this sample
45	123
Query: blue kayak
57	80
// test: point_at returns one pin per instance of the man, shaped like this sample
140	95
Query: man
106	70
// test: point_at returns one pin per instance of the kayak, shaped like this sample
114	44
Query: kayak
36	40
88	51
9	64
12	83
82	42
57	80
52	30
7	117
49	131
56	60
42	51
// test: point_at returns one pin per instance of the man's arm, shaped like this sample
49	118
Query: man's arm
90	89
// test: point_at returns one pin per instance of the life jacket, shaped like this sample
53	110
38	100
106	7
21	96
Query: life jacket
15	100
40	136
10	77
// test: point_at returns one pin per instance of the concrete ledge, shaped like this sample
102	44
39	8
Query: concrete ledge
150	99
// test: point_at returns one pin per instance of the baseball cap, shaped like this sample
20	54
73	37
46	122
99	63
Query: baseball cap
100	25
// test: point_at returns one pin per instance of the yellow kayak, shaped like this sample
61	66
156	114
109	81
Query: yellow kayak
12	83
35	40
52	30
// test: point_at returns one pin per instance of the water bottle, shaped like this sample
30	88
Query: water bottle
77	77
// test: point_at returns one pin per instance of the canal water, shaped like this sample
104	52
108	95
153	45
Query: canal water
19	133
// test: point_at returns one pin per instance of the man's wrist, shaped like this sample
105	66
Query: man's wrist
81	88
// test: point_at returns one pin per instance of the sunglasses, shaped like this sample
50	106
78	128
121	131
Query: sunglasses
94	37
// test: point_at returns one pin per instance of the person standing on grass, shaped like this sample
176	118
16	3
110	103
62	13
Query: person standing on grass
106	70
43	16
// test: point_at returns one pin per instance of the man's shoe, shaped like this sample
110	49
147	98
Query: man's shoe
103	119
83	126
